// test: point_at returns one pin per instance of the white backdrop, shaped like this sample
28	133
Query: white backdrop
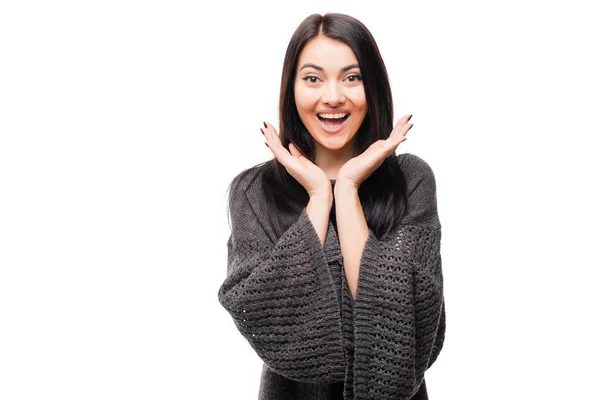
123	122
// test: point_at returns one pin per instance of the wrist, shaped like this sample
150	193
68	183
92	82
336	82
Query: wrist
324	196
344	188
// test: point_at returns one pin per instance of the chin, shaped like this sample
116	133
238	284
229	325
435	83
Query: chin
332	143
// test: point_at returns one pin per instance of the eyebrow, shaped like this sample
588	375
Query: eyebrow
311	65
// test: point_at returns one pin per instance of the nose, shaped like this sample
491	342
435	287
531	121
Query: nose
333	94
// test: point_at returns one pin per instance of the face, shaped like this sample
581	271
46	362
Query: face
329	85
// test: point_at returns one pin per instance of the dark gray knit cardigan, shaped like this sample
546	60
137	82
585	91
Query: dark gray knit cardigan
289	298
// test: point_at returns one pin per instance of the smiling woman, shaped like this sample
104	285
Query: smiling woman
334	270
329	95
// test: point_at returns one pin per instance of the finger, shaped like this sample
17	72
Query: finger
271	139
399	134
281	153
272	132
403	120
299	153
275	142
295	152
265	130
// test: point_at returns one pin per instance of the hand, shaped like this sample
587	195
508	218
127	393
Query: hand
309	175
359	168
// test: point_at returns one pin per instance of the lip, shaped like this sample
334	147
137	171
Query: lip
333	130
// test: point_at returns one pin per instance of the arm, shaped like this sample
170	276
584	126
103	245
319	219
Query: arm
281	295
399	314
352	231
318	209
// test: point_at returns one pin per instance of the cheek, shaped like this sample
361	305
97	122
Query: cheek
304	106
303	111
358	99
299	97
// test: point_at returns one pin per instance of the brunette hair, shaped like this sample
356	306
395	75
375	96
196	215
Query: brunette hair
383	194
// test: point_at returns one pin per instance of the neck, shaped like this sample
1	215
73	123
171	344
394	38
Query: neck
330	161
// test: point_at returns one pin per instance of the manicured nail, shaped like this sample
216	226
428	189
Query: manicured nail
410	127
265	124
267	145
409	118
261	131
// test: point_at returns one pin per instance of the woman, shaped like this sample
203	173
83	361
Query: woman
334	270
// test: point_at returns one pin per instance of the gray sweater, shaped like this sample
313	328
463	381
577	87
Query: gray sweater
288	297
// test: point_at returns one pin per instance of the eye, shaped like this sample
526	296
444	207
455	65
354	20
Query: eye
313	78
307	78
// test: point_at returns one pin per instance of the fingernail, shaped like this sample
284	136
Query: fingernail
410	127
261	131
267	145
265	124
409	118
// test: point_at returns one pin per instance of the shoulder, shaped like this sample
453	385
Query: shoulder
247	183
238	202
416	171
421	189
246	188
414	166
241	211
240	183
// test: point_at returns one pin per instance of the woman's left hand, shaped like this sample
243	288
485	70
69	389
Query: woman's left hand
359	168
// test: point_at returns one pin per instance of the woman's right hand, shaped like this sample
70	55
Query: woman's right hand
309	175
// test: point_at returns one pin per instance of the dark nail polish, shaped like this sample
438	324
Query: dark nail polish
261	131
267	145
409	118
265	124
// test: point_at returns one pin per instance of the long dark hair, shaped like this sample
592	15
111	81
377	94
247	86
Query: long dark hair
383	194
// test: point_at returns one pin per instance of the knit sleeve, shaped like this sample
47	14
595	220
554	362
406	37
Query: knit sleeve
282	298
399	314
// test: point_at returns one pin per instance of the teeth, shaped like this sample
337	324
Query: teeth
331	116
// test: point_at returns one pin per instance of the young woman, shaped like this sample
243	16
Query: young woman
334	271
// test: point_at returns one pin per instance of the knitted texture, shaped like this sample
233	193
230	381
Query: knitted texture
289	298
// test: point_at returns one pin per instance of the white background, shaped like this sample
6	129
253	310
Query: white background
123	122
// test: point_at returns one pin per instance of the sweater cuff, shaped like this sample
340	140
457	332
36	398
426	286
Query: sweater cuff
331	248
383	313
329	305
367	279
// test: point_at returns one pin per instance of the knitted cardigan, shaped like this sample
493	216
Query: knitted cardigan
289	298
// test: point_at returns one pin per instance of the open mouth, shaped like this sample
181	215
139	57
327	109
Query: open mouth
333	125
333	122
